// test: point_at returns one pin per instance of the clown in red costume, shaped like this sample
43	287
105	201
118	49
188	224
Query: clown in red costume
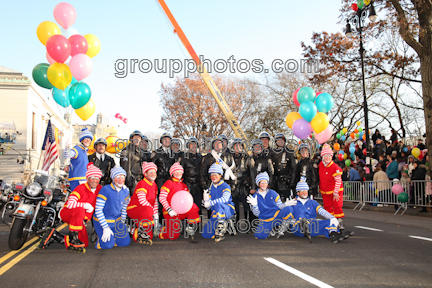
173	220
143	207
78	209
330	184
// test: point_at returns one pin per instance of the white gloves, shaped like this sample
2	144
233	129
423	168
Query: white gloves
291	202
155	217
252	200
88	207
334	221
207	204
206	195
172	213
106	235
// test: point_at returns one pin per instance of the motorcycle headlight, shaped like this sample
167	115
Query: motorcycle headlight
34	189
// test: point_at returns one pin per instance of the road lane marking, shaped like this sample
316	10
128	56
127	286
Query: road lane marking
368	228
298	273
17	259
421	238
20	257
10	254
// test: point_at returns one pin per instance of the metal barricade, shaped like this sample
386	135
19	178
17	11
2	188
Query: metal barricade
419	193
354	192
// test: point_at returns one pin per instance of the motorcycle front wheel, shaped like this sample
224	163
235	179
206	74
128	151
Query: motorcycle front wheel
18	233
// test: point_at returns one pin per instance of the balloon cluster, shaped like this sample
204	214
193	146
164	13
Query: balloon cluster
360	4
312	115
419	154
358	133
119	116
65	79
344	156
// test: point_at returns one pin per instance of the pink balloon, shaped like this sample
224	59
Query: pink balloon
324	135
117	115
78	45
125	120
58	47
121	117
65	14
50	60
182	202
80	66
302	128
397	189
294	97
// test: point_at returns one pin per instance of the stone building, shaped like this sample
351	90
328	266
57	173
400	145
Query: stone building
28	109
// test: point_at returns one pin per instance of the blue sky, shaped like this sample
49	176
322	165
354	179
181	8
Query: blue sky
249	30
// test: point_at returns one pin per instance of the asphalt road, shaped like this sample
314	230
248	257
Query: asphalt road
386	257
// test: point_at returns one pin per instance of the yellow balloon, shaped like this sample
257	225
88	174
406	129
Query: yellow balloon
113	145
415	152
345	130
345	156
291	118
367	2
47	29
87	110
320	122
59	75
94	45
358	123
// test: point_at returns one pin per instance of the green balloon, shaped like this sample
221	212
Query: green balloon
338	135
403	197
357	135
79	95
360	4
360	129
347	162
40	75
342	132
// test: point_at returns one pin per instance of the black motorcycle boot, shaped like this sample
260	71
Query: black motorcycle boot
304	224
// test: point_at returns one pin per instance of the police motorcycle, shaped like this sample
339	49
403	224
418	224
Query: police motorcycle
40	201
8	200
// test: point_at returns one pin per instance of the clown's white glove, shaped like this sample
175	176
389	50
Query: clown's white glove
88	208
171	212
206	195
207	204
106	235
291	202
252	200
334	221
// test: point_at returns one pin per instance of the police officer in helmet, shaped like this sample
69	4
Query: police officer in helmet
102	161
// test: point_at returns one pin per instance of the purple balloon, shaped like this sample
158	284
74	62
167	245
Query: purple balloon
396	189
302	128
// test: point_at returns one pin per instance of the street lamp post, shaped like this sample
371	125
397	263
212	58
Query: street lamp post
358	21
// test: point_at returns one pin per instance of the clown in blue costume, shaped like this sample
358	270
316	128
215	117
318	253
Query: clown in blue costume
79	159
268	207
306	212
110	212
218	198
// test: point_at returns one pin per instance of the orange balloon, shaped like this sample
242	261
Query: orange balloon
364	137
291	118
356	131
336	146
352	135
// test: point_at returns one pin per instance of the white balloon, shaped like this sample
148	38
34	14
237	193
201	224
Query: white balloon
71	31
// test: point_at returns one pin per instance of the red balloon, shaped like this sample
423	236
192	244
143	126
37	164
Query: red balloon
59	48
125	120
78	44
117	115
354	7
120	117
364	151
340	157
294	97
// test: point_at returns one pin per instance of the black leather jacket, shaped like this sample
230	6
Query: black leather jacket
105	166
311	168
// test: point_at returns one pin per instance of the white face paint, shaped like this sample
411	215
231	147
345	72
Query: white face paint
263	184
215	177
86	142
119	181
178	174
327	159
151	175
303	194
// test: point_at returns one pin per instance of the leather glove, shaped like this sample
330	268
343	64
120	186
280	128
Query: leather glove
207	204
172	213
291	202
88	208
206	195
334	221
252	200
106	235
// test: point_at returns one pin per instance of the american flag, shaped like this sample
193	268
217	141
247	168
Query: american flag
50	147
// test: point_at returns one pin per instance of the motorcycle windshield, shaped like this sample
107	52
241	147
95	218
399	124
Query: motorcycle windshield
44	179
